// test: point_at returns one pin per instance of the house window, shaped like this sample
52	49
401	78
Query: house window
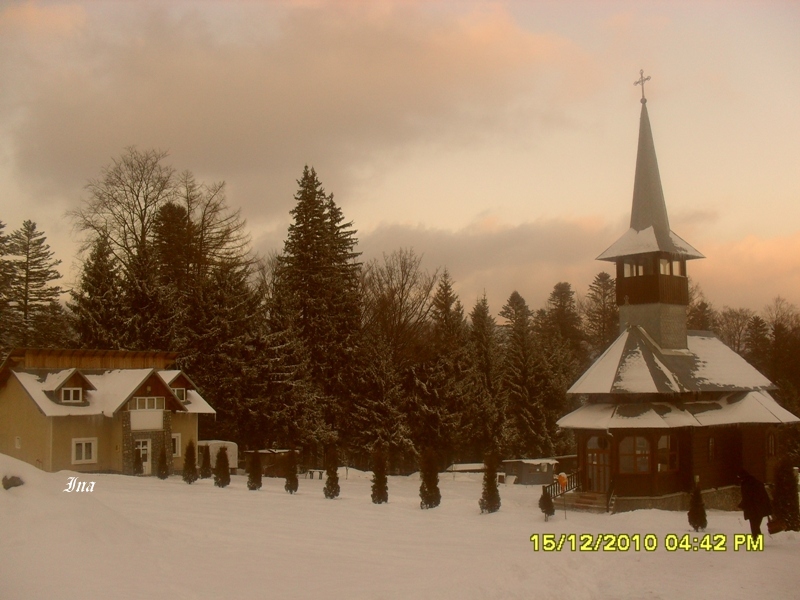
176	445
146	403
71	395
180	393
634	455
711	450
84	451
667	453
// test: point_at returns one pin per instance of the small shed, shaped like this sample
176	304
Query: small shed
213	448
272	461
531	471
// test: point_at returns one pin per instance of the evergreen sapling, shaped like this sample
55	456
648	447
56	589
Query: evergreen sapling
163	470
380	484
490	500
429	494
291	484
785	506
331	469
205	466
546	504
190	463
222	470
254	474
697	510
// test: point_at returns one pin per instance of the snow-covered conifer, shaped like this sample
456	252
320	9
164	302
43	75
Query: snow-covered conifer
163	469
546	504
222	470
380	485
490	499
697	510
291	472
429	494
205	464
331	489
254	472
190	463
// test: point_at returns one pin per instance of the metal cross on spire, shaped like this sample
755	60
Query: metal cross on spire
641	81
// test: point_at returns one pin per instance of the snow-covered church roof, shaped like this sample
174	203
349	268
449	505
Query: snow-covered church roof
635	364
737	407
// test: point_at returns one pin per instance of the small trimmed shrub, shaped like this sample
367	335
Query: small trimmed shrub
380	484
254	474
291	484
222	469
490	500
205	467
332	488
546	504
190	463
163	469
697	511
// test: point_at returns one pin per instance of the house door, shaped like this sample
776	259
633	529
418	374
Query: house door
143	446
598	464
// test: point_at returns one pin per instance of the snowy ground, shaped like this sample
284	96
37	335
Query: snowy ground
146	538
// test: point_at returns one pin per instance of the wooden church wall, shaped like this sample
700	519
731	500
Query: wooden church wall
716	455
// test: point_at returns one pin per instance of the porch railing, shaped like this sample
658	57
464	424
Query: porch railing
573	483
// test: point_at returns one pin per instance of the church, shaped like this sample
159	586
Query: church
664	408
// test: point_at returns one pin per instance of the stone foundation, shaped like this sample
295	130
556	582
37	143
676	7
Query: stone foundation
724	498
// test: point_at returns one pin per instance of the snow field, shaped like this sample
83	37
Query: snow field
135	537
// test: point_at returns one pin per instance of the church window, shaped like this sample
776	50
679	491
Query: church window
677	268
634	455
771	445
711	450
667	453
663	266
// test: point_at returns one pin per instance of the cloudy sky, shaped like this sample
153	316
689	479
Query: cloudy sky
495	138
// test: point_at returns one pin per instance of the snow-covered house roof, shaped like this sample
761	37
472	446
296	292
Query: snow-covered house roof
635	364
107	390
737	407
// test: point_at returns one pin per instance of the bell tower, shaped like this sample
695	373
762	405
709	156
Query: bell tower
652	284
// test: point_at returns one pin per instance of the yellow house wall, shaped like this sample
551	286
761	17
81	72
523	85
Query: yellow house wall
20	416
186	425
65	429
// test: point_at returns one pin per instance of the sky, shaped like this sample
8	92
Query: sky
496	139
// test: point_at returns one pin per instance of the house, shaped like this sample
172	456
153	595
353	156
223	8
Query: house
530	471
92	410
663	408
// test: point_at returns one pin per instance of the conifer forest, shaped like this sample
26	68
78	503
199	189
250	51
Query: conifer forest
313	348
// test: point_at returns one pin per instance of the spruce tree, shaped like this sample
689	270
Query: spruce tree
32	296
5	281
291	484
785	503
163	469
96	306
222	469
380	484
138	467
546	504
601	314
205	466
697	510
254	474
490	499
190	463
331	489
429	494
319	277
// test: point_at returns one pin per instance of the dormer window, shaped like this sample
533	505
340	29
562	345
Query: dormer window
71	395
180	393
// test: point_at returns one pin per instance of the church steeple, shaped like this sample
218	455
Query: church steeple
652	287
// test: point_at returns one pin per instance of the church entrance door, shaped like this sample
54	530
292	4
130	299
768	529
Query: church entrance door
598	464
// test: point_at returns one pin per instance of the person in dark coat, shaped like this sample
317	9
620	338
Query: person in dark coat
755	501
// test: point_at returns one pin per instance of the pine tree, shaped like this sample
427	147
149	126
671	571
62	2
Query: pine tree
785	504
380	485
601	314
291	472
318	275
697	510
331	489
31	293
526	429
5	282
190	463
163	470
254	474
96	307
205	466
490	499
222	469
430	496
138	467
546	504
